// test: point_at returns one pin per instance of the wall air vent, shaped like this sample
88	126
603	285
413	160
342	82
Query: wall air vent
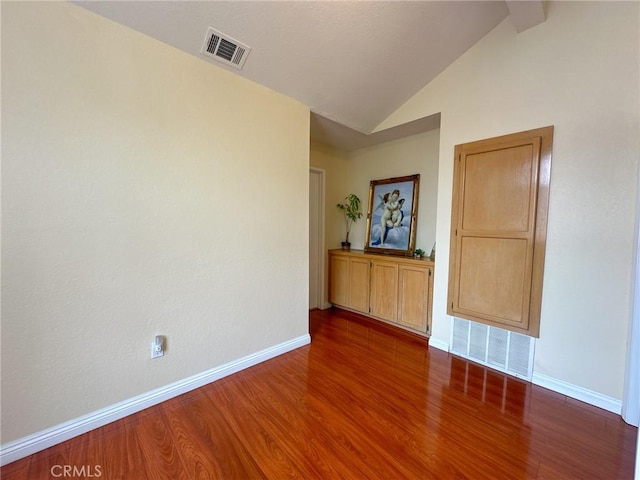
494	347
225	49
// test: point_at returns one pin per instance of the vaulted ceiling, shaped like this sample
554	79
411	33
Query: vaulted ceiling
352	62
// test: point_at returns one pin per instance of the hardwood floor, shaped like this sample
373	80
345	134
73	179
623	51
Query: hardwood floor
363	401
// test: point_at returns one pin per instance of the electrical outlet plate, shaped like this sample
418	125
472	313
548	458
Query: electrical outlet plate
156	349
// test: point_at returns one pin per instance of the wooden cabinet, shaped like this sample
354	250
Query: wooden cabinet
384	290
415	296
358	284
396	290
498	230
339	280
349	280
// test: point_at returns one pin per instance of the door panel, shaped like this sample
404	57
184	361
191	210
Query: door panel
495	277
498	229
359	284
384	290
413	297
339	278
314	247
499	189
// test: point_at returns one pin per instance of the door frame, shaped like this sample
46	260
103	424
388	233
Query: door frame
631	395
320	231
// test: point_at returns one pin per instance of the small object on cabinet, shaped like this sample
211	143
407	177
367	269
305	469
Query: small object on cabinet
351	211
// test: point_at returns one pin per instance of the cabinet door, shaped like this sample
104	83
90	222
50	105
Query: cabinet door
498	230
384	290
359	284
413	296
339	281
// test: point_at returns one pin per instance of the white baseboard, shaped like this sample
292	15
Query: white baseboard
31	444
439	344
579	393
28	445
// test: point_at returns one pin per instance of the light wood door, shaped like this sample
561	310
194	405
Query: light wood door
315	263
413	296
339	278
499	219
359	269
384	290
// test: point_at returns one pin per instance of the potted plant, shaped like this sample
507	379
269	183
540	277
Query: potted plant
418	252
351	211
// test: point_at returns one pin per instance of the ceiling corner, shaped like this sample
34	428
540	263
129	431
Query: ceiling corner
526	14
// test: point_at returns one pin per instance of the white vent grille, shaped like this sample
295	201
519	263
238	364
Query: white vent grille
503	350
224	49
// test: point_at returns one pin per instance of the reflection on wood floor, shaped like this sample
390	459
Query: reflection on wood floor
363	401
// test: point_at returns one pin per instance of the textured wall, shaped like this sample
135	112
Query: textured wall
144	192
579	71
406	156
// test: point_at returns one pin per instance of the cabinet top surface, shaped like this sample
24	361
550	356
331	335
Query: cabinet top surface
426	261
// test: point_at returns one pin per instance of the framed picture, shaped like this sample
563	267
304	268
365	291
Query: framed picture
392	215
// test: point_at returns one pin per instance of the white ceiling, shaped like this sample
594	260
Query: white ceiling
352	62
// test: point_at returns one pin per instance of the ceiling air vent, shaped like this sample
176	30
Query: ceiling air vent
224	49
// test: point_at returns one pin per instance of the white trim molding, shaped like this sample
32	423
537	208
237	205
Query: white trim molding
439	344
36	442
631	395
579	393
570	390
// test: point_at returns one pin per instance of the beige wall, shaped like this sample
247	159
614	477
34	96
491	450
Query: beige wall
143	194
578	71
351	173
406	156
334	164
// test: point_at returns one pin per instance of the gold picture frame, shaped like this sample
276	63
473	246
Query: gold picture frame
392	215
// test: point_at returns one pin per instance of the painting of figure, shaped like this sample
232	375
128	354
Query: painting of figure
391	220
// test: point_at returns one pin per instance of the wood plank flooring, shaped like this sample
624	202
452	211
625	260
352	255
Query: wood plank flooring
363	401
